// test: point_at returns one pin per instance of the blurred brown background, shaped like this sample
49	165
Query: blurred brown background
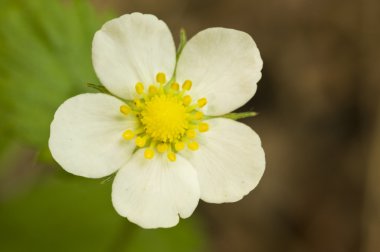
319	121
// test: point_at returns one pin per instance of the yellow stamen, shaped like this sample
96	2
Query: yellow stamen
168	118
161	78
171	156
175	86
179	146
187	100
162	147
152	89
203	127
139	88
198	115
125	109
149	153
191	108
187	85
138	103
202	102
140	141
193	146
128	135
191	134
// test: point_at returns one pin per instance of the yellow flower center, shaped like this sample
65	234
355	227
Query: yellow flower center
169	119
165	118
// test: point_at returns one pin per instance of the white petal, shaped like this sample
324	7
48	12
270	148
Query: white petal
230	161
132	48
86	135
152	193
224	66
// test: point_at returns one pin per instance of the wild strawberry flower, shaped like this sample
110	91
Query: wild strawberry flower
169	139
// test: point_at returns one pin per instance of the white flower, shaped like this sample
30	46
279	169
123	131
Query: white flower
167	153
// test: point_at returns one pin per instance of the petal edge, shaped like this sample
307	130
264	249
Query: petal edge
230	161
86	135
132	48
154	193
224	66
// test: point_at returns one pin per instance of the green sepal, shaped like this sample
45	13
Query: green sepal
235	116
99	88
182	43
103	89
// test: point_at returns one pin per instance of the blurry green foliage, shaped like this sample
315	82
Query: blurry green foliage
74	214
45	52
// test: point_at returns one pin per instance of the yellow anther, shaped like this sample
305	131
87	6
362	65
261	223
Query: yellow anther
187	85
128	135
161	78
140	141
175	86
138	103
171	156
191	134
139	88
198	115
169	118
202	102
203	127
152	89
179	146
193	146
149	153
125	109
186	100
162	147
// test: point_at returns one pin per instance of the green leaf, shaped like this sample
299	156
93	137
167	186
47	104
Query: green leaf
45	47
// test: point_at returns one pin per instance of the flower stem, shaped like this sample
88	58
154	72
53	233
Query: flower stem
235	116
